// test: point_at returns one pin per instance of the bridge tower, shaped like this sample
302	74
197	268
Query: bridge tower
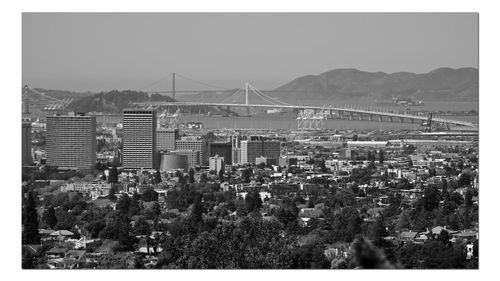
246	99
173	85
26	109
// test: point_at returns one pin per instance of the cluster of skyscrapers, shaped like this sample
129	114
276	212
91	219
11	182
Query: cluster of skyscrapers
71	144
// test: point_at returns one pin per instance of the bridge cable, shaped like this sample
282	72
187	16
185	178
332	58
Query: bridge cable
267	98
155	82
232	96
202	83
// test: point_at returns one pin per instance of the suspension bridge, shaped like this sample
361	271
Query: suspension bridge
310	116
248	97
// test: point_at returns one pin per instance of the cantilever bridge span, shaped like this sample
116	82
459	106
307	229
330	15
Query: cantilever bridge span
343	112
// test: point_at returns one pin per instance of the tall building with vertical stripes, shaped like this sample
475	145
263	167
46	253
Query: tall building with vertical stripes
71	141
166	138
26	144
139	139
252	149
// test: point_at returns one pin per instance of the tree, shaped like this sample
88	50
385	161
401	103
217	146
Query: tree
65	220
253	201
138	262
377	230
113	175
123	204
111	196
444	189
221	175
404	221
118	228
135	205
149	195
367	256
468	199
246	174
197	211
141	227
203	178
430	199
49	217
95	227
468	205
251	244
156	209
191	175
30	220
322	167
444	237
456	198
157	177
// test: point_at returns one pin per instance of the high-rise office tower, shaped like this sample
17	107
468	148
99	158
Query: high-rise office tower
190	143
139	139
223	149
271	150
165	139
251	149
26	144
71	141
236	149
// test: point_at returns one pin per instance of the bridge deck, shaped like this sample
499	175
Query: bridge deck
331	108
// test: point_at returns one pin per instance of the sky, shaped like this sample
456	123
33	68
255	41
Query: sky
105	51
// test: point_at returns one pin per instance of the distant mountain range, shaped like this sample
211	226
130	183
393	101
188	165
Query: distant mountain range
442	84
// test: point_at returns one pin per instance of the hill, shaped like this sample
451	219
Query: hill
439	85
113	101
62	94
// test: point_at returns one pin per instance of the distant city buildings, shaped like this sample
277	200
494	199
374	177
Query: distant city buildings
139	139
71	141
26	143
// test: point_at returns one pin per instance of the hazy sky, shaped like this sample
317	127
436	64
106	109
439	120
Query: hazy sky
78	51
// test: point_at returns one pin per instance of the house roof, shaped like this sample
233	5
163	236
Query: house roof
33	247
62	233
466	233
437	229
45	231
75	254
57	251
408	235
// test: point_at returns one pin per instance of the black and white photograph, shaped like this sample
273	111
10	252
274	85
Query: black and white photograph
248	140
